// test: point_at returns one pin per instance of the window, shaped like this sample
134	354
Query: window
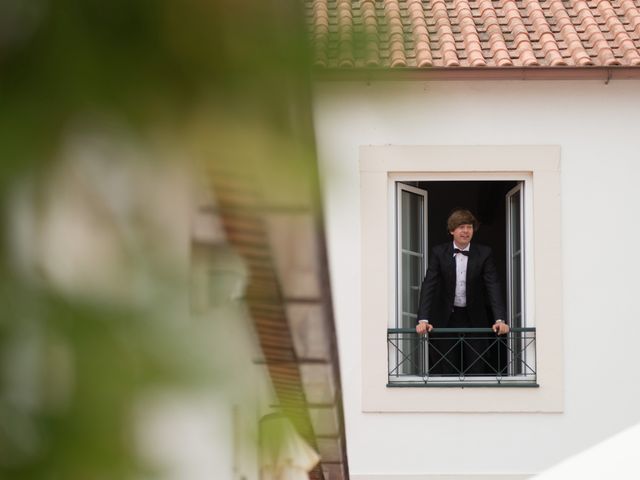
410	184
411	265
412	248
429	361
520	345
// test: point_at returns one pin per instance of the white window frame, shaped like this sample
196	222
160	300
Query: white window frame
526	225
399	187
539	168
396	182
395	321
518	343
519	188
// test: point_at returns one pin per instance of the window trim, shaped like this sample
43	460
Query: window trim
523	186
379	167
517	342
525	275
394	321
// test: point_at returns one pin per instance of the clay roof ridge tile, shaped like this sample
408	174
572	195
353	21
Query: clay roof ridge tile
569	33
420	34
396	33
632	57
519	29
529	59
594	34
624	41
372	51
557	7
497	44
521	40
445	34
319	5
345	34
320	32
448	38
621	37
604	53
469	33
542	28
483	7
632	14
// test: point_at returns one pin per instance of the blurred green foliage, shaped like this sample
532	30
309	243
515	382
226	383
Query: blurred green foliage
149	61
221	78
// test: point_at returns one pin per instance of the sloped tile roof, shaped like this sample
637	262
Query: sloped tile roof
391	34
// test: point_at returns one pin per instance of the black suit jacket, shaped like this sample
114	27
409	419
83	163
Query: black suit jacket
484	297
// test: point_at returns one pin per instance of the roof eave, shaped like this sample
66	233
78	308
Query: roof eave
478	73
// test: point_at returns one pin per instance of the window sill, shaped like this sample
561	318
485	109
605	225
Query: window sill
462	385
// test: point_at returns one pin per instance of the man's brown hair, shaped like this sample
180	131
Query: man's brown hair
461	216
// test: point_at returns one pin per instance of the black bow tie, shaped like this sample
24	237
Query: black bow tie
464	252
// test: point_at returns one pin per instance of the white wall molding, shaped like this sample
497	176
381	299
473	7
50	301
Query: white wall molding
541	164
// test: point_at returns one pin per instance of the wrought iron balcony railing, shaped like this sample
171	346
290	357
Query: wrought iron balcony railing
459	357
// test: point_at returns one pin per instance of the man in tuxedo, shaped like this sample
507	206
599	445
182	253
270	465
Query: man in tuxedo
461	290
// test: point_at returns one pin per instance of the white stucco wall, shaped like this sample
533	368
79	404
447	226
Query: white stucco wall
596	126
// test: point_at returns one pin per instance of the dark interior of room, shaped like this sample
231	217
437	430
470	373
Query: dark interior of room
485	199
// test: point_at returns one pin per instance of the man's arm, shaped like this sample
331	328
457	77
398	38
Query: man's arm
427	294
492	285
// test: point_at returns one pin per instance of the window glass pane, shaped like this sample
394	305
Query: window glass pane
406	291
515	247
408	321
516	284
411	256
415	282
515	222
517	340
411	273
411	221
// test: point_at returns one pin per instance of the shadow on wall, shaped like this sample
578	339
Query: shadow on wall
615	457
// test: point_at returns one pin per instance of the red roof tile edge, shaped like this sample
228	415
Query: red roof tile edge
605	74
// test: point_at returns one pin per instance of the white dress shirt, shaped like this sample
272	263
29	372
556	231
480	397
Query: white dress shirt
460	296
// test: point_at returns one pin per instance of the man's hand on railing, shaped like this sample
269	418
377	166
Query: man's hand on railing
423	327
500	327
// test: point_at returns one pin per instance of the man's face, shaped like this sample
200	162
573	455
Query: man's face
462	235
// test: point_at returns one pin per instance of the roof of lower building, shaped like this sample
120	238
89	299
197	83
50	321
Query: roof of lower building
396	34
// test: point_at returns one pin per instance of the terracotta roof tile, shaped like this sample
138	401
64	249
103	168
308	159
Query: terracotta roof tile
569	34
474	33
621	38
594	34
497	45
631	14
372	51
542	29
320	31
345	33
444	33
469	34
422	48
396	33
